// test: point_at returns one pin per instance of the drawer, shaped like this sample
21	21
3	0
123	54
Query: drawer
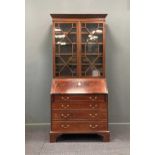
79	115
79	97
78	105
78	126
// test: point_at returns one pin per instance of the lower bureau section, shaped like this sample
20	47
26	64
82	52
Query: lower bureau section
77	126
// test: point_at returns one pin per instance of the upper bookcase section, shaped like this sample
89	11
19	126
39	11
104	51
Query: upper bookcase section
78	15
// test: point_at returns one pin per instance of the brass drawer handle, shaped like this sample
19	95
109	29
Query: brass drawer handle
65	115
93	98
93	106
65	106
93	126
65	126
93	115
65	98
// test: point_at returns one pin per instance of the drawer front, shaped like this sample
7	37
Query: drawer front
79	97
79	115
78	105
79	126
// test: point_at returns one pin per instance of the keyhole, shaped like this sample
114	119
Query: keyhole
79	83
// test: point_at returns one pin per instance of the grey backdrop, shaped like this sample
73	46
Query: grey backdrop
39	54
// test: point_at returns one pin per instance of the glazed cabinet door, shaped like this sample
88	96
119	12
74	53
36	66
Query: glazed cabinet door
65	49
92	49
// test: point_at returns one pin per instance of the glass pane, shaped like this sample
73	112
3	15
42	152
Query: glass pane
66	49
66	65
92	26
65	27
92	49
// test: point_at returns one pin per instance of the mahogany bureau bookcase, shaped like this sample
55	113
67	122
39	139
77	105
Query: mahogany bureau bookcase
79	94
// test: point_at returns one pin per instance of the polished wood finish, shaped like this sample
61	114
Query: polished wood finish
85	114
57	104
79	106
79	102
80	86
71	126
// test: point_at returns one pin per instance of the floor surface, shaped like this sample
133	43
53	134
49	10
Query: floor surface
37	142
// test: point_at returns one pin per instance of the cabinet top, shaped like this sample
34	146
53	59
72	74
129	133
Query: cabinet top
79	86
78	15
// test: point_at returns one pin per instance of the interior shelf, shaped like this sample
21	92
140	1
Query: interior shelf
68	54
88	64
62	64
97	43
98	54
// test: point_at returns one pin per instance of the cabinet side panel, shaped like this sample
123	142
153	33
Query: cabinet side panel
53	47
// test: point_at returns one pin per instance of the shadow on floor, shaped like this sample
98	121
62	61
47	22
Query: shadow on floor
79	138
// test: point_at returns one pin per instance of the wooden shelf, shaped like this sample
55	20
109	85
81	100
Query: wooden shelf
66	44
84	72
90	33
66	33
73	72
97	43
88	64
85	33
64	54
98	54
62	64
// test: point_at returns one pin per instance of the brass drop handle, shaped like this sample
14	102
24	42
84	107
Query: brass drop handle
65	115
93	106
65	106
65	98
93	115
93	99
93	126
65	126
